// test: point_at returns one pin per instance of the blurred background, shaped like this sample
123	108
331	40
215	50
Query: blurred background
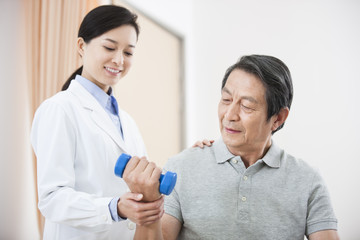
173	90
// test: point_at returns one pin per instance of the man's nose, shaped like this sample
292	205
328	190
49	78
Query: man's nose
233	112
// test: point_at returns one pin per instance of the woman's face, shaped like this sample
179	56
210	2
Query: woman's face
108	57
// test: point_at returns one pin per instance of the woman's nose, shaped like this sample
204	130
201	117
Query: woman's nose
118	59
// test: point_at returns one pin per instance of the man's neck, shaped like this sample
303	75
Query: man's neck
251	154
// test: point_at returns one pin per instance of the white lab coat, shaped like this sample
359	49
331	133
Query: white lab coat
77	145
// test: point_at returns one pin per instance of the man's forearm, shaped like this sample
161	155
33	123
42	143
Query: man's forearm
149	232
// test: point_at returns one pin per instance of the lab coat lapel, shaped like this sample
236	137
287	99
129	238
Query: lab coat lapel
104	122
98	114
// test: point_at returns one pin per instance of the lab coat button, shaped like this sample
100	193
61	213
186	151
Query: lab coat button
131	225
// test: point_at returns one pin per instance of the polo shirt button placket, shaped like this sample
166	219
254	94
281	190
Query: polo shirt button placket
243	210
243	198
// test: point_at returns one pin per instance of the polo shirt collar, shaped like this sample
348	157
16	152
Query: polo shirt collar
222	154
271	158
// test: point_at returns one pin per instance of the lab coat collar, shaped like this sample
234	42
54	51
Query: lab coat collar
98	114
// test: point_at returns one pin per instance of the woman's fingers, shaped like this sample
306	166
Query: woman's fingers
140	212
203	143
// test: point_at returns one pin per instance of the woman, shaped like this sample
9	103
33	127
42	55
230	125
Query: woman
78	134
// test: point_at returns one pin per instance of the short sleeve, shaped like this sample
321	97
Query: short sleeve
172	202
172	206
320	214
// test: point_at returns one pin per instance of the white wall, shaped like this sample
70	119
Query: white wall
17	189
177	16
319	41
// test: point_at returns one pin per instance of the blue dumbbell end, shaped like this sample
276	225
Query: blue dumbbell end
121	164
167	182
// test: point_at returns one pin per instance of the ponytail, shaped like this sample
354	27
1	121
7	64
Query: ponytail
72	77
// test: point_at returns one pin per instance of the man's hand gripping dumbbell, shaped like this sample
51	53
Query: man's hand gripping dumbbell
144	177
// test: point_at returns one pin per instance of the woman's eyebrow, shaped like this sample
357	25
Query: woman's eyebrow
111	40
115	42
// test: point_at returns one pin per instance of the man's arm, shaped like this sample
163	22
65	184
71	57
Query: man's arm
143	177
324	235
149	232
171	227
167	228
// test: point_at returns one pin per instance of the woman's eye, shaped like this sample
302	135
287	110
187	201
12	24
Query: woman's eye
109	49
128	53
226	100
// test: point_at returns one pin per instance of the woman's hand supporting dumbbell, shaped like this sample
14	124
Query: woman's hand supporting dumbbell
144	177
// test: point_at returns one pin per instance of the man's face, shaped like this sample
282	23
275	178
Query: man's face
243	113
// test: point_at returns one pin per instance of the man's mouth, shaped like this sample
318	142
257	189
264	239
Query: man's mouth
230	130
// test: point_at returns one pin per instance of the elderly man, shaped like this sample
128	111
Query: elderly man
244	186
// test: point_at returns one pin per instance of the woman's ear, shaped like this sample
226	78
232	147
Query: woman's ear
280	118
80	46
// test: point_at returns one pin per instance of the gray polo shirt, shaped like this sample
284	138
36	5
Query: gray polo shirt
216	197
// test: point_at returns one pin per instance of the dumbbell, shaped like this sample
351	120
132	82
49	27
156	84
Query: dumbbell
167	180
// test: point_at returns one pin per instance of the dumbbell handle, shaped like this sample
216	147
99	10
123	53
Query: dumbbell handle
167	180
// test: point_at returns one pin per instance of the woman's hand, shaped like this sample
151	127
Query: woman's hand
130	206
202	143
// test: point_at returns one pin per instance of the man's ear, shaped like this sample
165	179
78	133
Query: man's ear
80	44
280	118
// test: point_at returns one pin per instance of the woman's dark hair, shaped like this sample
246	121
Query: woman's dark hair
99	21
275	76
